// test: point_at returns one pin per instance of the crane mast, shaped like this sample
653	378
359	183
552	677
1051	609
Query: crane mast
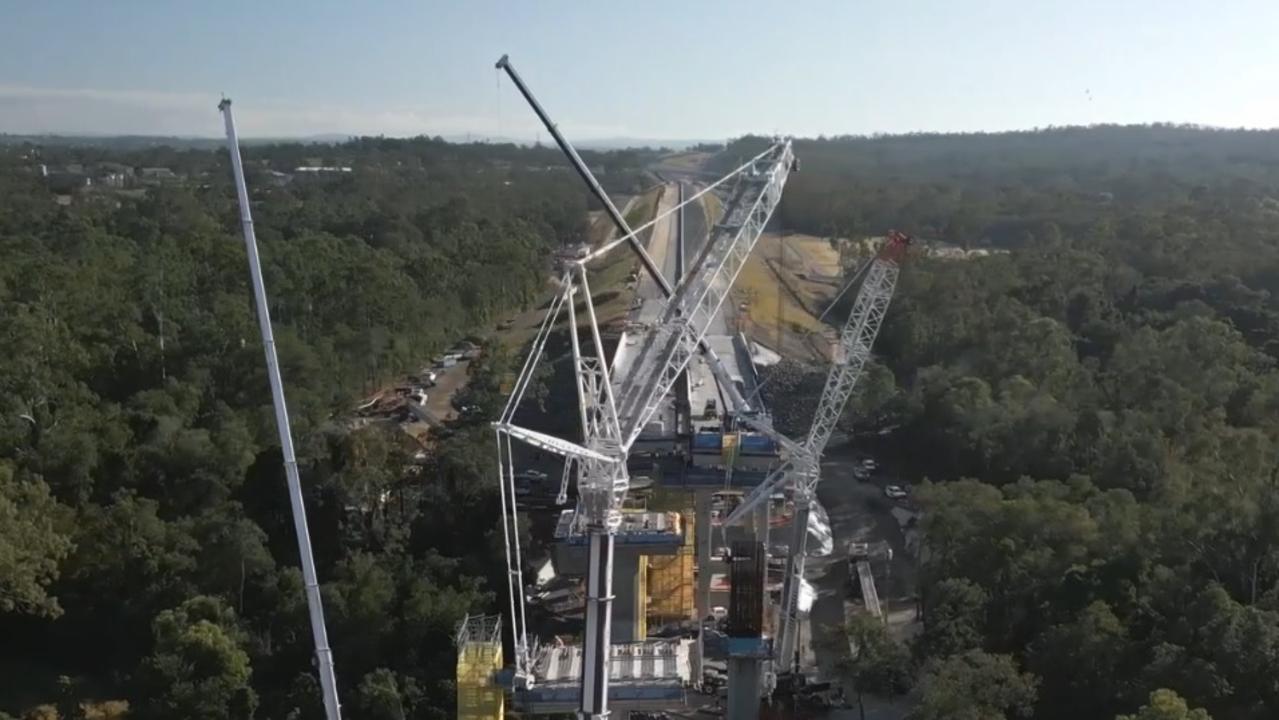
801	469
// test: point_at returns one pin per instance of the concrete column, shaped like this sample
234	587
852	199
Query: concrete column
597	640
626	604
743	688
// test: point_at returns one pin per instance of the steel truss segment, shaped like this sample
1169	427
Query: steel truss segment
602	480
504	431
550	443
510	540
857	339
692	308
606	406
561	497
801	466
583	392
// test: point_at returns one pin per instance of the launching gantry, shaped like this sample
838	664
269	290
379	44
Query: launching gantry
612	420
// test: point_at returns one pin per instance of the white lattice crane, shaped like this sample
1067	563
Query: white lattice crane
801	465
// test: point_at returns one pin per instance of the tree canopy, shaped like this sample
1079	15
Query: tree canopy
147	550
1087	405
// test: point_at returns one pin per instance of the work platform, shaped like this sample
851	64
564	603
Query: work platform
638	528
642	535
645	675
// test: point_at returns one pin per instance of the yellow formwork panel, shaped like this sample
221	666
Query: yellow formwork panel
641	598
477	697
671	587
729	449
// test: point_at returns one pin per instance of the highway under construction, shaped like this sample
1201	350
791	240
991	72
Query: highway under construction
675	396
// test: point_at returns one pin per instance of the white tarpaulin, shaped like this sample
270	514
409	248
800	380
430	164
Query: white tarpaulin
806	596
820	541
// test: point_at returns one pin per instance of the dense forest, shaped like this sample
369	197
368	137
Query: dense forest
147	553
1092	415
1090	418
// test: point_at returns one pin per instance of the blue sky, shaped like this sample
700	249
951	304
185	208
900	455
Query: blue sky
652	69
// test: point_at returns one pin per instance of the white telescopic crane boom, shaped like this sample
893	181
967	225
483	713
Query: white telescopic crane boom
323	653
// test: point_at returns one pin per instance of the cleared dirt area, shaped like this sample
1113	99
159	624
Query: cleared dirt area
439	399
692	161
393	403
713	206
783	289
808	255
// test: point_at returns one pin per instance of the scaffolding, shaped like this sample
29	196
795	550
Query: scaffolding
672	589
479	656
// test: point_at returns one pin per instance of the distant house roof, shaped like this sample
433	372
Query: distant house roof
65	182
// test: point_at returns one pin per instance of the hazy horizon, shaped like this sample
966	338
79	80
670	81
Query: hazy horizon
608	143
663	71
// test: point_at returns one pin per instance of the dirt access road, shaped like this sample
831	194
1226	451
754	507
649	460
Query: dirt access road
859	512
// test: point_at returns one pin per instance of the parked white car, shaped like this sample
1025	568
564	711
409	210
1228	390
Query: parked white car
895	492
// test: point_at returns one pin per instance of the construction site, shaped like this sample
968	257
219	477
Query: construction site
680	521
679	564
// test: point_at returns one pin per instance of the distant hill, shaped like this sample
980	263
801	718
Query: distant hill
142	142
619	143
